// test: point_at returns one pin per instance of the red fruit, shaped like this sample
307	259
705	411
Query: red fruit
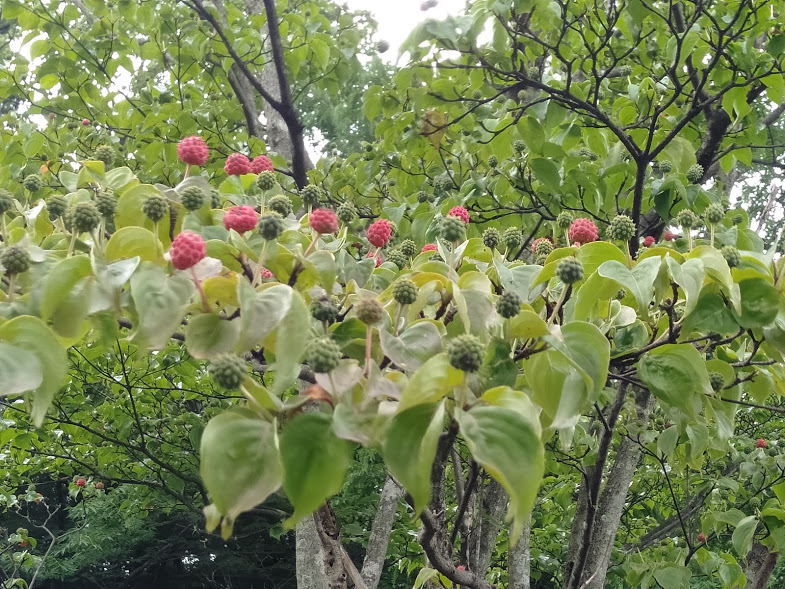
24	543
379	233
187	250
761	443
323	221
648	241
701	537
267	274
460	567
459	212
261	163
241	218
378	258
538	241
80	482
668	235
237	165
429	247
583	231
99	485
193	150
85	122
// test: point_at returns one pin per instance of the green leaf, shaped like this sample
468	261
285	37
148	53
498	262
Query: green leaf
710	315
20	370
546	172
527	324
587	348
433	381
689	276
639	281
676	374
759	303
129	242
60	281
673	577
743	535
314	463
208	335
561	389
32	335
240	465
409	449
507	446
414	346
261	312
290	341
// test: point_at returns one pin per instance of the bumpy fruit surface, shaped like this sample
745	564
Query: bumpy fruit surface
15	259
518	145
237	165
241	218
738	219
761	443
665	166
398	258
443	183
564	219
508	304
369	311
714	214
99	485
459	212
85	122
261	164
193	150
323	355
280	204
695	173
324	309
668	235
32	182
648	241
569	270
228	371
512	238
155	207
266	180
731	255
105	153
625	70
701	537
80	482
215	199
323	221
464	352
583	231
540	260
310	194
452	229
6	201
379	232
270	226
429	247
717	381
542	241
621	228
266	274
188	249
56	206
492	161
423	196
85	217
491	238
687	219
404	291
192	198
408	248
587	153
620	294
106	203
346	212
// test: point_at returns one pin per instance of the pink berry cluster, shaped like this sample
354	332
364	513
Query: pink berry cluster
188	249
323	221
238	164
379	232
583	231
241	218
193	151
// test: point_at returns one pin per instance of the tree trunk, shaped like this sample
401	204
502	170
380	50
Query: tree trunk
519	567
309	556
373	564
760	566
488	524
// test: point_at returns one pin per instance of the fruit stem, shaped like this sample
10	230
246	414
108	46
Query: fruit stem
11	285
257	273
368	339
187	171
689	238
711	230
627	251
559	303
310	246
198	285
261	410
3	229
71	244
158	245
398	319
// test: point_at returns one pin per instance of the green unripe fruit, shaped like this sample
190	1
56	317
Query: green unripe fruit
422	196
491	238
84	217
492	161
323	309
408	248
56	206
215	199
323	355
398	258
104	153
280	204
665	166
540	260
621	294
621	228
731	255
512	238
464	352
192	198
452	229
442	183
369	311
714	214
717	381
508	304
33	182
625	70
228	371
270	226
687	219
587	153
6	201
564	220
266	181
695	173
346	212
404	291
544	248
518	145
15	260
106	203
569	270
156	207
738	219
311	194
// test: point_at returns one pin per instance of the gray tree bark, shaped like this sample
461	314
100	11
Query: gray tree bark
373	564
519	567
309	556
760	566
493	504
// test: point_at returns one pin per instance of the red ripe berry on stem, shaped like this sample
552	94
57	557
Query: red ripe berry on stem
379	233
583	231
429	247
237	165
85	122
761	443
261	163
378	258
193	151
188	249
648	241
323	221
80	482
267	274
668	235
459	212
241	218
99	485
701	537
